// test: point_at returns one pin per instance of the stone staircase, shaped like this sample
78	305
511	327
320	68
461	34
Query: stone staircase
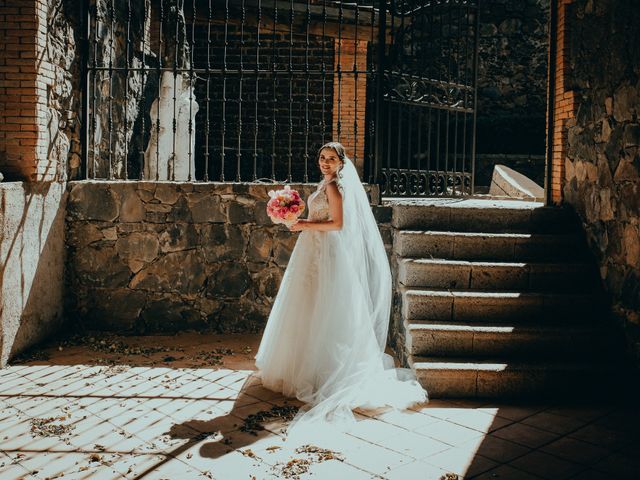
499	299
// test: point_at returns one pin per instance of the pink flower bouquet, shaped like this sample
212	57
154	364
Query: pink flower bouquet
285	206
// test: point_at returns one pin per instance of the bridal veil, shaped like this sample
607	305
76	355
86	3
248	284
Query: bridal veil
333	311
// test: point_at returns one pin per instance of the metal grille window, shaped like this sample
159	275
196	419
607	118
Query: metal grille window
244	90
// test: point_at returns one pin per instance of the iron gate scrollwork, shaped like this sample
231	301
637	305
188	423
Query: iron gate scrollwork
428	98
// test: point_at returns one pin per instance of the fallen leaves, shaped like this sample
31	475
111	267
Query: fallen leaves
296	467
45	427
253	423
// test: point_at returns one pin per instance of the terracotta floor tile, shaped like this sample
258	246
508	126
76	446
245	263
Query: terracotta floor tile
415	445
79	466
525	435
546	466
406	419
554	423
505	472
417	470
517	412
333	469
375	459
602	437
375	431
621	466
496	448
11	469
462	461
575	450
448	432
180	418
582	412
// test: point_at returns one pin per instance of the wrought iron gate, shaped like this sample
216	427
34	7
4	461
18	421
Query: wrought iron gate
247	90
427	97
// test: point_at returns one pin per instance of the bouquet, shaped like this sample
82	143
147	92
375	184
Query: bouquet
285	206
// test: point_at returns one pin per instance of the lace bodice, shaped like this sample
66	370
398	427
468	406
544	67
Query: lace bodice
318	203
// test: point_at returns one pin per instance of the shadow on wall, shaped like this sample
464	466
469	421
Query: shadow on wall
31	263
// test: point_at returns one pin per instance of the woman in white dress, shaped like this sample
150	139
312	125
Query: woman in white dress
325	337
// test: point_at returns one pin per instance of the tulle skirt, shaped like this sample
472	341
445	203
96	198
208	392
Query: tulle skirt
319	344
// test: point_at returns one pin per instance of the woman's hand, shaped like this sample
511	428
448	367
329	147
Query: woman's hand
298	226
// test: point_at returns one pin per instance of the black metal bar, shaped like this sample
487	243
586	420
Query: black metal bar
382	33
142	97
306	94
324	69
255	126
94	116
241	79
274	127
465	80
371	103
289	151
159	70
110	120
191	87
339	68
475	98
85	16
207	124
126	91
224	89
174	121
355	90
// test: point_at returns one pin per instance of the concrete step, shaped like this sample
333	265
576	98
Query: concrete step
513	340
489	246
461	274
483	216
493	378
473	305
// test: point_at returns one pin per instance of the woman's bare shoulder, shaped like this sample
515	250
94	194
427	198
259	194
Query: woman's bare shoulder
335	185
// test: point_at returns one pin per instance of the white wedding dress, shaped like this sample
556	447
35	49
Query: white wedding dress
325	337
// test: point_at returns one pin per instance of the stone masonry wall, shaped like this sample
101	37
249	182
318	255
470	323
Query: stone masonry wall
512	76
602	161
161	256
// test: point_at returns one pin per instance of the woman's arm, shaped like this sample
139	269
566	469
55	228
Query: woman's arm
335	209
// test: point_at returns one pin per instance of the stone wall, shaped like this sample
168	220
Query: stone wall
161	256
512	76
602	162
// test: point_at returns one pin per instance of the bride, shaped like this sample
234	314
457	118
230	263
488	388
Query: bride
325	337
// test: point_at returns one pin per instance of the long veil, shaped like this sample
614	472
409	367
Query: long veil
357	285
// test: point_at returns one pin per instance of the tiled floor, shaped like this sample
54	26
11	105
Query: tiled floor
165	407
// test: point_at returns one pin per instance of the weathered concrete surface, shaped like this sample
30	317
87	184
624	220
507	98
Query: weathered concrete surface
508	182
32	264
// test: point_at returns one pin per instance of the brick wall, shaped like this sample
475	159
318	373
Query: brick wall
565	102
350	97
35	47
20	94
